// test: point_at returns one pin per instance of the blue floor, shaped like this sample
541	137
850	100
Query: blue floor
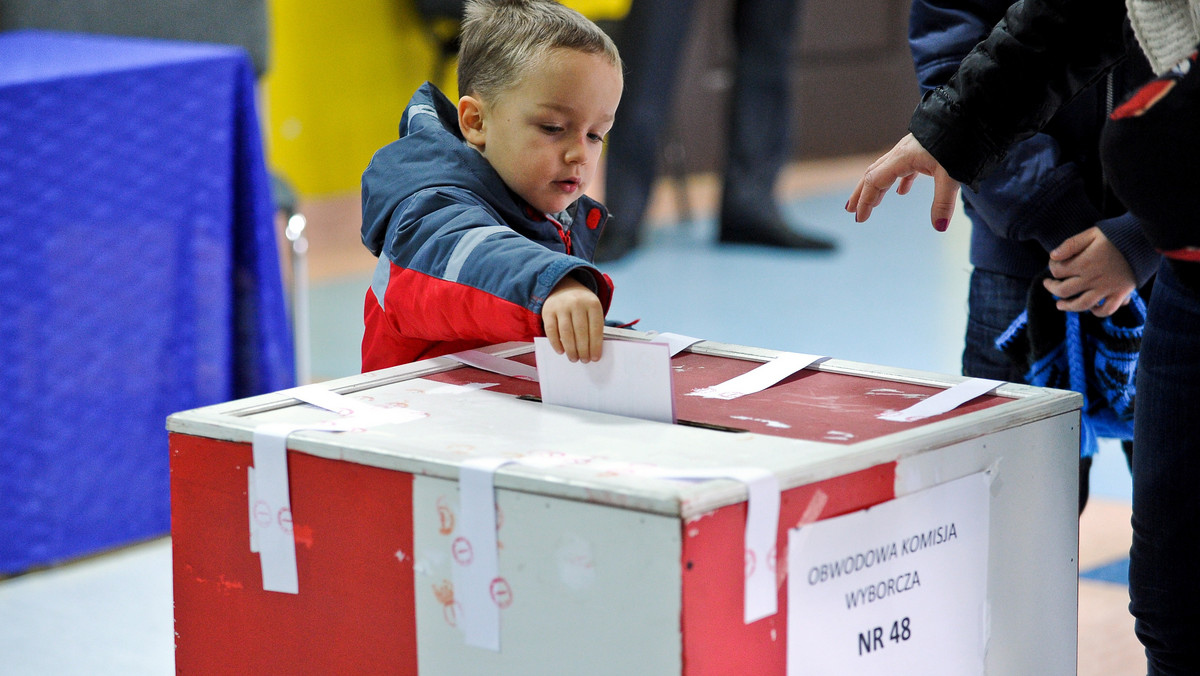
894	293
1116	572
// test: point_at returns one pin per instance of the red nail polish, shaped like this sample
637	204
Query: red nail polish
941	225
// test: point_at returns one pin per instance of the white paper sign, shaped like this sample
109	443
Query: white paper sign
631	379
899	588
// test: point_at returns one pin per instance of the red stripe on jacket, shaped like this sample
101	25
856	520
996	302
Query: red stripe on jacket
428	317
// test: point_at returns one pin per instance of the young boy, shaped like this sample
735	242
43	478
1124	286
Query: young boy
477	213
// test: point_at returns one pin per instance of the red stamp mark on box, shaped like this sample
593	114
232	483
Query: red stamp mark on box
262	513
445	517
461	549
501	592
444	593
285	519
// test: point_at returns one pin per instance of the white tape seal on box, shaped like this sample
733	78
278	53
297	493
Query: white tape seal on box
478	587
270	502
762	525
943	402
490	362
758	378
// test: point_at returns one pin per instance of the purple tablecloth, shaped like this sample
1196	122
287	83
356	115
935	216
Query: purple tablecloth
139	276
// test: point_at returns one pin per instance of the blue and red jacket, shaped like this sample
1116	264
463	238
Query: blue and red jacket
463	261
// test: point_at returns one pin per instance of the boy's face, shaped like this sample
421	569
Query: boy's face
544	135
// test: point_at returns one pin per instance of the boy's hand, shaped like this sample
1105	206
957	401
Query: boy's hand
574	321
1090	274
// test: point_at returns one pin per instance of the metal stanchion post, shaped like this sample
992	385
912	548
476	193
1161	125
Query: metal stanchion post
295	234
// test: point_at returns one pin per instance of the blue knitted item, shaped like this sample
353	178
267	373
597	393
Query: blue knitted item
1095	356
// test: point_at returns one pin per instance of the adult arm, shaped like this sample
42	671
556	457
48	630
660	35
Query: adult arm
1036	192
1037	58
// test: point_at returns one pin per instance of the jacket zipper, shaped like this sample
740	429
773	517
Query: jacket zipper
1109	95
563	233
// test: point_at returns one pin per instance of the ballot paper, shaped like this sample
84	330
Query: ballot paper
677	342
632	378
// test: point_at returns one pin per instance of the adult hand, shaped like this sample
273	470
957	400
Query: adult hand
1090	274
903	162
574	321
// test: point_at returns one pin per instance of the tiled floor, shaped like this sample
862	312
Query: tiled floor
894	293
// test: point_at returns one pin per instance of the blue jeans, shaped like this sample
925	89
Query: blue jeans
993	302
1164	586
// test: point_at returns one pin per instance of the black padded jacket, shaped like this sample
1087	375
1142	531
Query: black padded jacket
1036	59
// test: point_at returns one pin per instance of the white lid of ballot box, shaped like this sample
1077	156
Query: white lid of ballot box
601	457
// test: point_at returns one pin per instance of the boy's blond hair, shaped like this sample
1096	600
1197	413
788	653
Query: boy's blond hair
501	39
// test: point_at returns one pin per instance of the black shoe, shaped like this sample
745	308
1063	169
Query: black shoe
770	231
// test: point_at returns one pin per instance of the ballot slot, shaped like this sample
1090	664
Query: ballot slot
816	403
678	421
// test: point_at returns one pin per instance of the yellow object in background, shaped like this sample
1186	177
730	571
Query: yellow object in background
600	10
340	76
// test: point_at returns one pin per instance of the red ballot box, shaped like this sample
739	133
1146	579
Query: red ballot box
622	545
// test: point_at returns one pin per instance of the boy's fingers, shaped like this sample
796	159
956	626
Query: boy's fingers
581	336
567	334
550	322
597	322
